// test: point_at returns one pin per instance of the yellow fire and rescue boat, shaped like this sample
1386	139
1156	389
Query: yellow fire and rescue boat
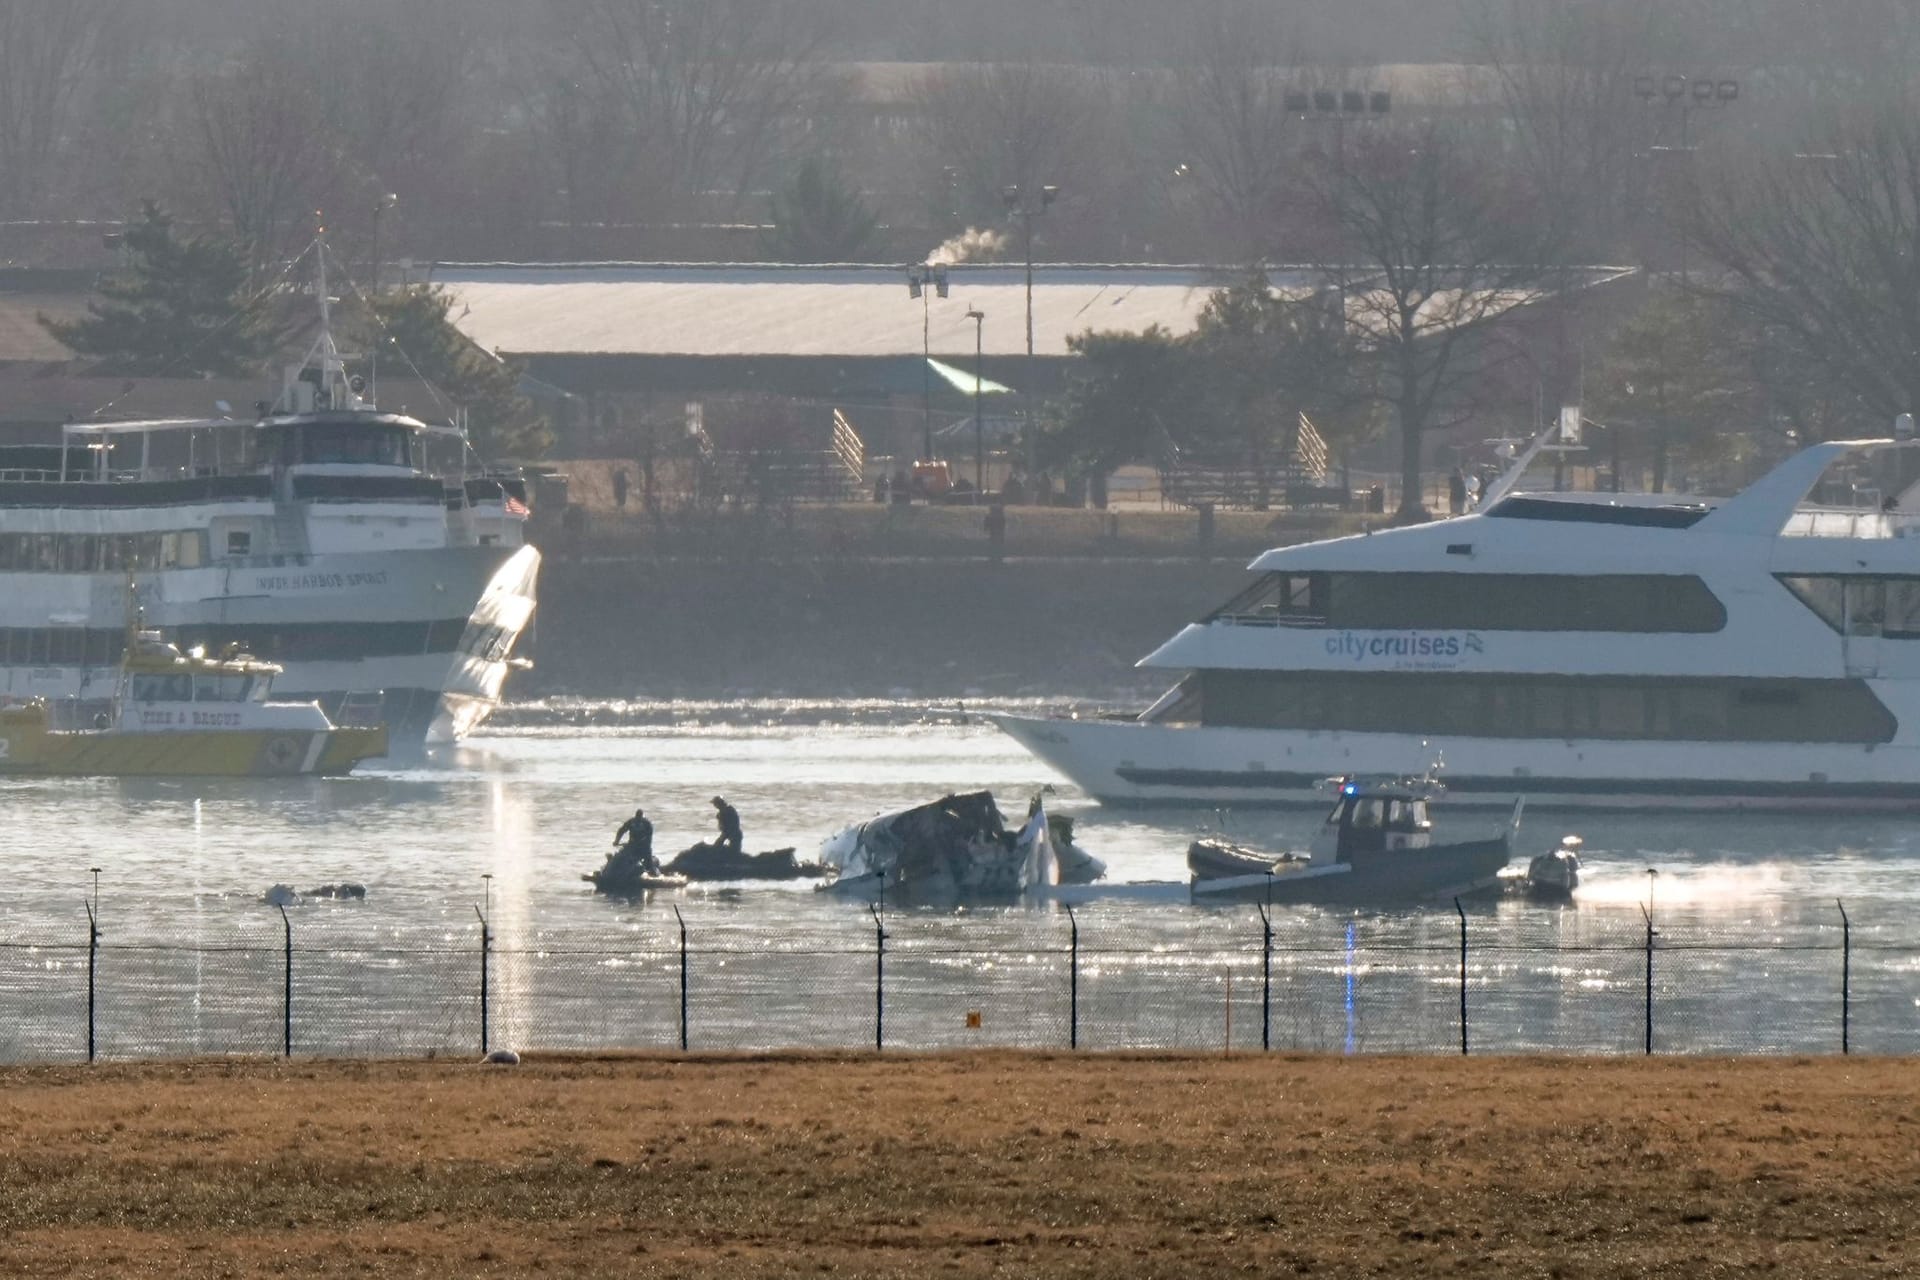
184	714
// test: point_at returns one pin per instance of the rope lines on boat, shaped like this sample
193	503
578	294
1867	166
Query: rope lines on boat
186	357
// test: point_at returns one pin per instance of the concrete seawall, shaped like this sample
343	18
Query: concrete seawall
626	627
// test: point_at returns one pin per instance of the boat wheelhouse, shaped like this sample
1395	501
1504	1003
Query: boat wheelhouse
1760	651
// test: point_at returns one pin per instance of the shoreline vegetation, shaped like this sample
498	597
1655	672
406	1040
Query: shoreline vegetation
1041	1165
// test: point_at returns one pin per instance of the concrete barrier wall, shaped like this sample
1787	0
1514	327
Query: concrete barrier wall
1067	627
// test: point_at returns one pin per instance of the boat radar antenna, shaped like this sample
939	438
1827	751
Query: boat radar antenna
320	381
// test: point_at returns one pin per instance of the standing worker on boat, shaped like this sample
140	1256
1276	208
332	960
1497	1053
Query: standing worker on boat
729	820
635	841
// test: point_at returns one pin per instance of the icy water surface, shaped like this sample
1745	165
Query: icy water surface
1748	939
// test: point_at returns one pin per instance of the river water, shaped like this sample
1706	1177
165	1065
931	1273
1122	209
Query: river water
1748	931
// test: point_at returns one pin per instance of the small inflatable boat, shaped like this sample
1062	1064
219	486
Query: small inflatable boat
717	862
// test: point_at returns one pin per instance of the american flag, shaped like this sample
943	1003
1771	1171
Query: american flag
515	507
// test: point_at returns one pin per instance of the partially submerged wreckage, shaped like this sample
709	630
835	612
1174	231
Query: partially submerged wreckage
957	849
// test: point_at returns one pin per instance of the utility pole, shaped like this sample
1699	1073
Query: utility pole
918	279
1019	201
979	436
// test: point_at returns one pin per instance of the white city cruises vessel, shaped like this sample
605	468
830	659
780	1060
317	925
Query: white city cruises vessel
1759	651
316	537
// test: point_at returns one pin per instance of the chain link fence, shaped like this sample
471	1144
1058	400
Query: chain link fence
1581	981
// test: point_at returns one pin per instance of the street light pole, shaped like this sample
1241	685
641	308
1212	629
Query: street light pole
380	206
918	278
1016	200
979	435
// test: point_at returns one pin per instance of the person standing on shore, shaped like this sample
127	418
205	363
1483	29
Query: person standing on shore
729	819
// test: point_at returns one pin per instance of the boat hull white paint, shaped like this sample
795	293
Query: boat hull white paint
1128	762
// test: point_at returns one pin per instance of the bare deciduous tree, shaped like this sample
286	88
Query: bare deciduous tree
1000	125
1238	143
46	49
395	85
1817	250
1437	245
1565	71
259	151
705	86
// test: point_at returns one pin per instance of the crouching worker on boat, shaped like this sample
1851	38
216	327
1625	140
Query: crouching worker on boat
634	851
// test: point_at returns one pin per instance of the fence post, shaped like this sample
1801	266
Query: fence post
1648	916
1463	976
1073	979
879	980
1846	977
1266	981
683	977
286	994
486	946
93	953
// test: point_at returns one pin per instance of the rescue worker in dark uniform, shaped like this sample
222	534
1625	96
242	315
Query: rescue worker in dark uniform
729	820
635	841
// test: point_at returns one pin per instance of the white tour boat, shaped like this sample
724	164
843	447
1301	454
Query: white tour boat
1581	649
316	536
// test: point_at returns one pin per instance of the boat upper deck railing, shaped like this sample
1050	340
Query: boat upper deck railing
1828	522
1269	618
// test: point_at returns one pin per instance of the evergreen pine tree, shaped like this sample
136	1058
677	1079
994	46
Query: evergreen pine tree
818	217
415	333
182	309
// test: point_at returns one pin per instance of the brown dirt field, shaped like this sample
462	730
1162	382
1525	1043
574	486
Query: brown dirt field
997	1164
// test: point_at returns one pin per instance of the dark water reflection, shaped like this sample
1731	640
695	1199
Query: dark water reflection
1747	953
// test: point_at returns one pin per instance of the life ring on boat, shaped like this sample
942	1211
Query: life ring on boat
283	753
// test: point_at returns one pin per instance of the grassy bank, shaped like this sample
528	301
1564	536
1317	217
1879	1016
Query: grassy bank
966	1166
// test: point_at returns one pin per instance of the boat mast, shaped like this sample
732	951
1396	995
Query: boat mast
332	389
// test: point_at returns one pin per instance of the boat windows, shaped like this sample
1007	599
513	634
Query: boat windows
1645	603
239	542
1368	814
354	444
1407	815
1515	706
1860	605
220	688
1178	705
67	647
101	552
1678	515
162	688
1276	599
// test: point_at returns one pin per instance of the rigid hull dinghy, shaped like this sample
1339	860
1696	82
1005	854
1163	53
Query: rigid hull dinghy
705	861
184	714
1376	846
